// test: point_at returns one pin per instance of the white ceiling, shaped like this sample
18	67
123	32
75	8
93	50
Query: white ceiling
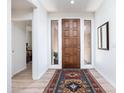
65	6
21	4
60	5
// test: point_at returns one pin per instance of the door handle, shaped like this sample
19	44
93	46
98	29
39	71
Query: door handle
12	51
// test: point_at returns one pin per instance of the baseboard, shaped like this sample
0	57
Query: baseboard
106	78
41	74
87	67
55	67
19	70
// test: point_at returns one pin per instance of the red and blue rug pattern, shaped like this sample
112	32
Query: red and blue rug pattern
73	81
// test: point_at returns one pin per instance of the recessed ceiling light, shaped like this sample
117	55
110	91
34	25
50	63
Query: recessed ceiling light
72	1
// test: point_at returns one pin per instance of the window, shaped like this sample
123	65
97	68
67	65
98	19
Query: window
54	38
87	42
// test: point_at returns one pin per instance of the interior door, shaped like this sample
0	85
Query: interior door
18	46
71	43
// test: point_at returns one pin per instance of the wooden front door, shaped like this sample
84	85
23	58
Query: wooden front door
71	43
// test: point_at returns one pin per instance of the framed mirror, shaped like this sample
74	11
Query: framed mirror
103	36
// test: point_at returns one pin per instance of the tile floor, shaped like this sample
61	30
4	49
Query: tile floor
23	83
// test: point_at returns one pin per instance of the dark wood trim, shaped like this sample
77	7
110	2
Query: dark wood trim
107	36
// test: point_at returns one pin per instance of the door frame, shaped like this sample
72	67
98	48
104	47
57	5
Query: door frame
82	65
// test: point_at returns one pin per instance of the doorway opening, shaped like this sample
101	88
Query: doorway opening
72	37
29	44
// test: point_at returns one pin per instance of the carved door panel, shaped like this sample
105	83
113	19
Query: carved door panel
71	43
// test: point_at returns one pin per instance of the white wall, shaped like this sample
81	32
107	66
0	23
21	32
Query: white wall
82	17
106	60
18	46
22	14
39	41
9	52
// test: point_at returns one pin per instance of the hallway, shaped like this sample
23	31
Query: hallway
23	83
64	35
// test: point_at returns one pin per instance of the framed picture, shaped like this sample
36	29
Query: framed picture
103	36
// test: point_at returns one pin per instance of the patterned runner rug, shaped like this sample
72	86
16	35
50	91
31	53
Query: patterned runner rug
73	81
